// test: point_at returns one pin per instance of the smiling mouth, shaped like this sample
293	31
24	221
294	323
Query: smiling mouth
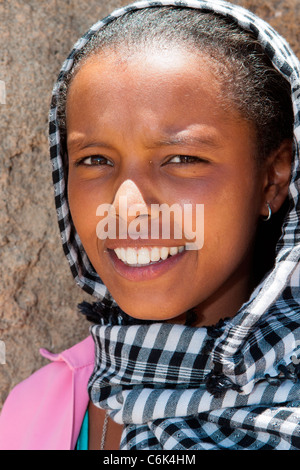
146	256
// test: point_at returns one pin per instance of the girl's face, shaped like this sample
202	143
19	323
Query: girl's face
152	128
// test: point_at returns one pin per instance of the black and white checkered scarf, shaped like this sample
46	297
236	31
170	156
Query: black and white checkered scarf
233	386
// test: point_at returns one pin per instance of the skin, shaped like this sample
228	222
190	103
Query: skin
124	112
134	116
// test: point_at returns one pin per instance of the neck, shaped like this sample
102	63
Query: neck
229	298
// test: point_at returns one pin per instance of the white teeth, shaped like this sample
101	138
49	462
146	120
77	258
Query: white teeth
131	256
164	252
155	254
143	256
174	250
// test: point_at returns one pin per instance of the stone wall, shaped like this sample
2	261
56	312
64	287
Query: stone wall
38	296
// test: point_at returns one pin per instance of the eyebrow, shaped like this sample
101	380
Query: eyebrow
195	140
168	141
77	141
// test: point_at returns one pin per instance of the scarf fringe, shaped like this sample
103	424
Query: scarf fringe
104	313
218	384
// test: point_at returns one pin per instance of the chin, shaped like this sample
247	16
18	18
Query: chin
152	313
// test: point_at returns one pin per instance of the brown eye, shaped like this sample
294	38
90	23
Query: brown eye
185	159
95	160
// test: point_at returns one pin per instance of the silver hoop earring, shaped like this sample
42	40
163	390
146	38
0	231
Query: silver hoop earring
268	217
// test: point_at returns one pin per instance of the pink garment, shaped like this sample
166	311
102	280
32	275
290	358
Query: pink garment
45	411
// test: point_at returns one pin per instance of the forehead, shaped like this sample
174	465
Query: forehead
155	71
170	88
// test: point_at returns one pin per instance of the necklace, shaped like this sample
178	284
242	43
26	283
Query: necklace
104	431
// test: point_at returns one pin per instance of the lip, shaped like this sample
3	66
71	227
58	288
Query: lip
144	273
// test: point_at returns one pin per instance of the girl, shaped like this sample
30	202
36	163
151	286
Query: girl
194	103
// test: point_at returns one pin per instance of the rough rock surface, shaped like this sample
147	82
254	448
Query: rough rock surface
38	296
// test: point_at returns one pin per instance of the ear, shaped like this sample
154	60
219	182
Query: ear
277	173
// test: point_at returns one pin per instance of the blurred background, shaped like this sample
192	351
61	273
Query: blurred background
38	296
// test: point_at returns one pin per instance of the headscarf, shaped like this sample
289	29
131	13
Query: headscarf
233	386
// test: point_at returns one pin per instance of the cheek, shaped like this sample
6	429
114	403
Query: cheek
83	202
231	211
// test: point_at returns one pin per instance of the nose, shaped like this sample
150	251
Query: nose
129	198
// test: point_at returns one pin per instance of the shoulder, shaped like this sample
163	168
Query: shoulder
52	398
